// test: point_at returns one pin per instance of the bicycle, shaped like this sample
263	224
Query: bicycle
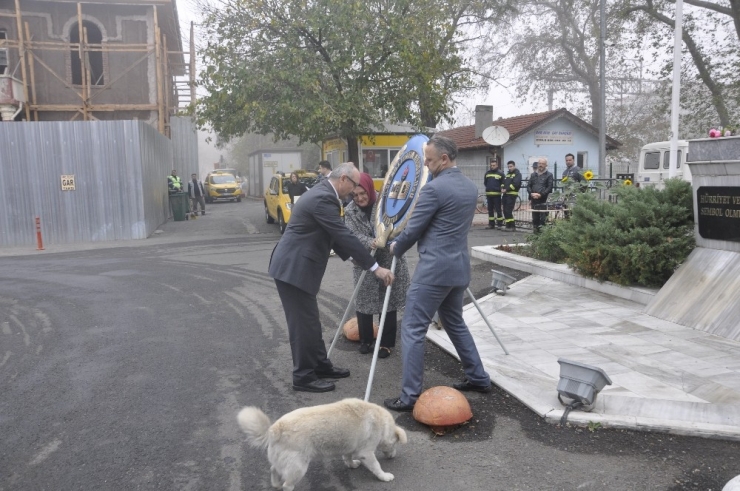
481	206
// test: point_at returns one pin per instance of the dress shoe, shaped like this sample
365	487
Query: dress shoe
335	372
364	348
466	386
397	405
315	386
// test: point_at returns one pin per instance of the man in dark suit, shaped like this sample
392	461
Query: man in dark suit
440	224
298	264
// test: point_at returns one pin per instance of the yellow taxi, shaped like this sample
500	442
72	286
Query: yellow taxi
277	200
220	186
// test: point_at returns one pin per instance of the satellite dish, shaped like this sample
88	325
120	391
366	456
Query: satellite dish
495	135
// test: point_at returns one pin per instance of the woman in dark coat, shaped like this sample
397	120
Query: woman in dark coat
295	187
370	297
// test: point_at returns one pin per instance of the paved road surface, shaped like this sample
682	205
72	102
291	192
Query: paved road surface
122	366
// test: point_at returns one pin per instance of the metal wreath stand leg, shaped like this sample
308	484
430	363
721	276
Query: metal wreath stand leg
480	311
380	333
386	301
349	307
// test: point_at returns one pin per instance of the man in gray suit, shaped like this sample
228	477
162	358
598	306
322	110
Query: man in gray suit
298	264
440	224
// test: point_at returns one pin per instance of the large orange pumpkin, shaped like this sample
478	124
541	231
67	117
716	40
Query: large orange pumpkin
352	333
441	408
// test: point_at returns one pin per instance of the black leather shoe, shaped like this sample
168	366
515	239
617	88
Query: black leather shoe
315	386
335	372
466	386
397	405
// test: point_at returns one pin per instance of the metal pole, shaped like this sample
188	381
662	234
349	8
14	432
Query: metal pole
602	89
475	302
676	94
380	334
347	310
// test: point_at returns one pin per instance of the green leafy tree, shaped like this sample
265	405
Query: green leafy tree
317	68
641	239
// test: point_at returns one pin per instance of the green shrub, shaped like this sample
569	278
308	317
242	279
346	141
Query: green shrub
641	239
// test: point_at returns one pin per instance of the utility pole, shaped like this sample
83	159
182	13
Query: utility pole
602	88
676	94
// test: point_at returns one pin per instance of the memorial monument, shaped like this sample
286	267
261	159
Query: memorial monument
703	293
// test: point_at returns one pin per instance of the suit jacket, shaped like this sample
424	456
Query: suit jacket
440	224
316	227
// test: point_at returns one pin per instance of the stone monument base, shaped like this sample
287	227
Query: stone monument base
702	294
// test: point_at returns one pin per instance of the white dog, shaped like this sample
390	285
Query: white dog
351	428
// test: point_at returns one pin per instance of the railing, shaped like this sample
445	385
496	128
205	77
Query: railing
556	209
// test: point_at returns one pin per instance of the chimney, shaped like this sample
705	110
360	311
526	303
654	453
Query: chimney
483	119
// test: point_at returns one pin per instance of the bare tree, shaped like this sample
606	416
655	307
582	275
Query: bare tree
713	48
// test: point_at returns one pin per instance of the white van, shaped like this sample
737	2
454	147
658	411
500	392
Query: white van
654	158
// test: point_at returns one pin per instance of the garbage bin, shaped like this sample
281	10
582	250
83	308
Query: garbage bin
179	204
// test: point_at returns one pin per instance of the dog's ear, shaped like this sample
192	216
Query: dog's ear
400	435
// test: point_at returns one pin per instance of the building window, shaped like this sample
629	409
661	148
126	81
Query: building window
375	161
582	160
94	59
3	52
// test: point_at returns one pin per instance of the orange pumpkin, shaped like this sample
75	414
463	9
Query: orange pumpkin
441	408
352	333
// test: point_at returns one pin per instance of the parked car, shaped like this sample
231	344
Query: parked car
221	186
277	200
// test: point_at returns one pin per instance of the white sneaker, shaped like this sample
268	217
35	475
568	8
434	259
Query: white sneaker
332	253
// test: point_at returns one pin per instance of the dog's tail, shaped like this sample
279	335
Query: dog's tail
256	425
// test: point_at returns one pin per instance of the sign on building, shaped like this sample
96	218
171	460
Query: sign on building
553	137
68	182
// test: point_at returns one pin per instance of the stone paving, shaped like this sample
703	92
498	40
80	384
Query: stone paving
665	377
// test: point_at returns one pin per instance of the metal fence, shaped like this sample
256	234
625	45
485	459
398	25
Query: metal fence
119	187
523	210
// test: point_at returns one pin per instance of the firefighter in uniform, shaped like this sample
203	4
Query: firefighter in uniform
510	191
493	181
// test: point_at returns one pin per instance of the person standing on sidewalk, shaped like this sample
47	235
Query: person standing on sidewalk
493	181
510	190
440	224
174	183
571	169
324	170
539	187
197	195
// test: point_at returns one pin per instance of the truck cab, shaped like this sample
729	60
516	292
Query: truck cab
653	163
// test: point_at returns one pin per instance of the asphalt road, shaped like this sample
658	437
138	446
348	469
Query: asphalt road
123	367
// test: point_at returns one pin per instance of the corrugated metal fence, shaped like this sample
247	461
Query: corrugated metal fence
120	185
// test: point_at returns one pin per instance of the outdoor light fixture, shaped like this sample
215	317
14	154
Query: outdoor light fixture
580	383
501	281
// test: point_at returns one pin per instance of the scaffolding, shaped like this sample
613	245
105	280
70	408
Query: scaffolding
174	72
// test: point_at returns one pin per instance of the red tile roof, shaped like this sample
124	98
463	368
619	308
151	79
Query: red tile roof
518	126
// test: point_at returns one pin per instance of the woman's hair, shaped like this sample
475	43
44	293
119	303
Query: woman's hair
294	173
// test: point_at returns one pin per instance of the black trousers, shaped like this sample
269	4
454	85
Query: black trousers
365	327
539	218
509	202
494	208
304	331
